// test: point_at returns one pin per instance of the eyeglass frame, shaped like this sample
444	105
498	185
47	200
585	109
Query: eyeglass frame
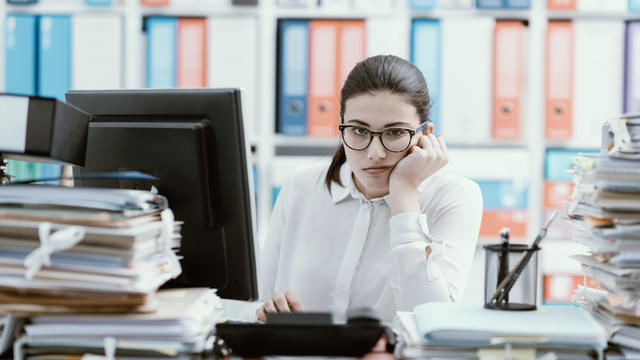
372	133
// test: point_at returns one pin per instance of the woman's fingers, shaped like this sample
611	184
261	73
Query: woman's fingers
269	306
281	302
294	302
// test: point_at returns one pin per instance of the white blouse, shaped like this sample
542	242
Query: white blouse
339	251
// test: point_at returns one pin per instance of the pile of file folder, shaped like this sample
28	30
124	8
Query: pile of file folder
80	269
462	330
605	212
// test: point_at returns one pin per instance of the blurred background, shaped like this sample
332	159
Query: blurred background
519	87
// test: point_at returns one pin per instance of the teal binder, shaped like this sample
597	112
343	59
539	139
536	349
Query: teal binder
161	52
426	55
20	54
54	56
293	72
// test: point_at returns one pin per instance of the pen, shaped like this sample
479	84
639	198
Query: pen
507	283
503	270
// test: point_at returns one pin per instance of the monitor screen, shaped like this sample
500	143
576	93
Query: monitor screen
193	141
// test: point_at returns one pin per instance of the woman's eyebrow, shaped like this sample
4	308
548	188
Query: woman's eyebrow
393	124
360	122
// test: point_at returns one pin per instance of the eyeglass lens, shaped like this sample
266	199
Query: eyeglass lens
394	139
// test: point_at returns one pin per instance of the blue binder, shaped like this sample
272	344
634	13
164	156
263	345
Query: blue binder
99	2
294	77
518	4
161	52
558	161
503	194
54	56
20	59
634	5
426	55
490	4
422	4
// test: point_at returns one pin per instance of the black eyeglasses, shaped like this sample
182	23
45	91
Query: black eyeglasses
395	139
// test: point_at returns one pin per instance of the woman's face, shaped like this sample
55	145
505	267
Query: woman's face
371	166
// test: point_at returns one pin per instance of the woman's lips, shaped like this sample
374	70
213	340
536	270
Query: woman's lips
376	170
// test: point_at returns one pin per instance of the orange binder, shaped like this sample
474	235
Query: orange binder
323	110
192	53
559	81
561	4
507	79
494	220
555	193
558	288
352	45
154	2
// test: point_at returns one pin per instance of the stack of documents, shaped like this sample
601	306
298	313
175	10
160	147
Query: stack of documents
605	212
181	325
70	250
467	330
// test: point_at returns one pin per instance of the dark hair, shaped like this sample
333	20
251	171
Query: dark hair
381	73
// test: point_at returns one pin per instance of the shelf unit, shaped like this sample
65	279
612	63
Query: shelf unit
266	143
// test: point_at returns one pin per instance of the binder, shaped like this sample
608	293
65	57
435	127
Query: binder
96	43
323	109
507	80
192	53
466	74
20	54
456	4
54	56
505	205
99	2
422	4
504	183
161	52
558	288
559	81
293	77
599	63
632	70
490	4
154	2
352	49
634	5
426	55
561	4
518	4
232	62
602	5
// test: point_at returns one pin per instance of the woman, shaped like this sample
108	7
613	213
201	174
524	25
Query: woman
380	227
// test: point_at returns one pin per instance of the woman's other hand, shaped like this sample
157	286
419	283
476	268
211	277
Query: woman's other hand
424	159
280	302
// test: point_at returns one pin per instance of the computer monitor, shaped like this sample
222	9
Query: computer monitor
193	141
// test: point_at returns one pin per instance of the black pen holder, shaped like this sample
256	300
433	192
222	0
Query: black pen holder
499	261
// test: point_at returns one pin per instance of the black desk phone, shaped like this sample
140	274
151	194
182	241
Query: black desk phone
304	333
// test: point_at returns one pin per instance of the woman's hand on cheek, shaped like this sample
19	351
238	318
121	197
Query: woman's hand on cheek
423	159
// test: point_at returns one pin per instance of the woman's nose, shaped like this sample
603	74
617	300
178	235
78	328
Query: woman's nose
376	150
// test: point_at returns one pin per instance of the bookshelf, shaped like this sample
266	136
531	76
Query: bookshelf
269	146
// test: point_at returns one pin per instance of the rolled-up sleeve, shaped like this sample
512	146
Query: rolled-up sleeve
449	225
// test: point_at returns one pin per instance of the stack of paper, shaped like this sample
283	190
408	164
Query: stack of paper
179	326
467	330
83	249
605	212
